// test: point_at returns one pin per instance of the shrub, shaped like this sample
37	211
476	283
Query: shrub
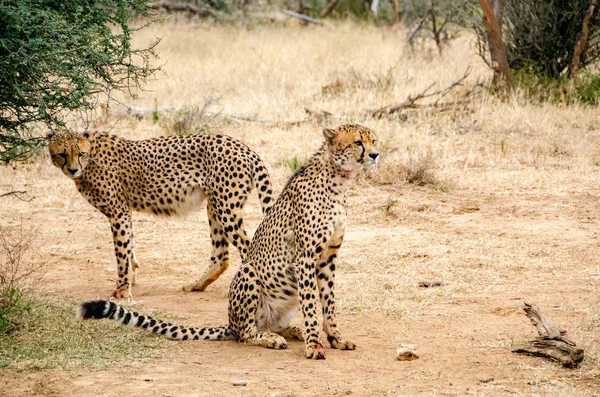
587	90
19	264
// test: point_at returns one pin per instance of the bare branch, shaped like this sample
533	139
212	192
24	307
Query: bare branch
299	16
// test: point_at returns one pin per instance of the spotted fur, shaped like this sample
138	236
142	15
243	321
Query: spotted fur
165	176
291	263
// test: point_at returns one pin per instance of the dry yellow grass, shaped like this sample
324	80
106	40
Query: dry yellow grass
512	213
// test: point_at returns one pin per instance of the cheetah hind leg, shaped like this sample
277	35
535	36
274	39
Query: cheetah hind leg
220	253
292	332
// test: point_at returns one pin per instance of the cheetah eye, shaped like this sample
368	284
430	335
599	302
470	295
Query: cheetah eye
63	156
81	154
358	143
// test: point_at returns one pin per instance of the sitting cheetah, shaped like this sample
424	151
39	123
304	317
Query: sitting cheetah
291	262
164	176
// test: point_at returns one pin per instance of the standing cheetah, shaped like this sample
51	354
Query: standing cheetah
165	176
291	263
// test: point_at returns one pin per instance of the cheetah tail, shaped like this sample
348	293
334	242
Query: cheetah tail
105	309
262	182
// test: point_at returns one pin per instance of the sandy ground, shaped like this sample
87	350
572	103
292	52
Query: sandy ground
516	217
463	338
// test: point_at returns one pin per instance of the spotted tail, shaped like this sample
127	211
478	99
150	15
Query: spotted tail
105	309
262	182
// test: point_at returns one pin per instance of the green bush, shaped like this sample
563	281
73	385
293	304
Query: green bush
60	56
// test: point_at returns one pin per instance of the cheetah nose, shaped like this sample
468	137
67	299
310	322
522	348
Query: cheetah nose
374	155
73	171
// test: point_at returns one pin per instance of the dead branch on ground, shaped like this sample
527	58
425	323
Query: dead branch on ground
551	342
411	101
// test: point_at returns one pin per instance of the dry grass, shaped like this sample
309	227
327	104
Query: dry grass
49	336
499	199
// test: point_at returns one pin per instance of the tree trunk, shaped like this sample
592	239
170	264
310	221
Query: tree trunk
329	8
396	11
492	20
582	41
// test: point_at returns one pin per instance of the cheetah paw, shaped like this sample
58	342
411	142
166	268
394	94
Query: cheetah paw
278	342
341	344
315	351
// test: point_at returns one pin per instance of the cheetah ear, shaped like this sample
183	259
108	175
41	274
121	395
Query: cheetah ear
49	135
86	135
329	134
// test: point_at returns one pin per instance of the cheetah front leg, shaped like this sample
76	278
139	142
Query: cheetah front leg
122	231
307	292
326	282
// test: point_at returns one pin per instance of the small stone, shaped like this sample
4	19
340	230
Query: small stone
407	353
486	380
240	383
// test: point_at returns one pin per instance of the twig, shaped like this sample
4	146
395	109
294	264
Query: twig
299	16
16	193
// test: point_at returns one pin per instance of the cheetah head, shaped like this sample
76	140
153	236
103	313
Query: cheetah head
69	152
351	146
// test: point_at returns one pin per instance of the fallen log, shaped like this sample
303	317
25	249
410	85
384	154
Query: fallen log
551	342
